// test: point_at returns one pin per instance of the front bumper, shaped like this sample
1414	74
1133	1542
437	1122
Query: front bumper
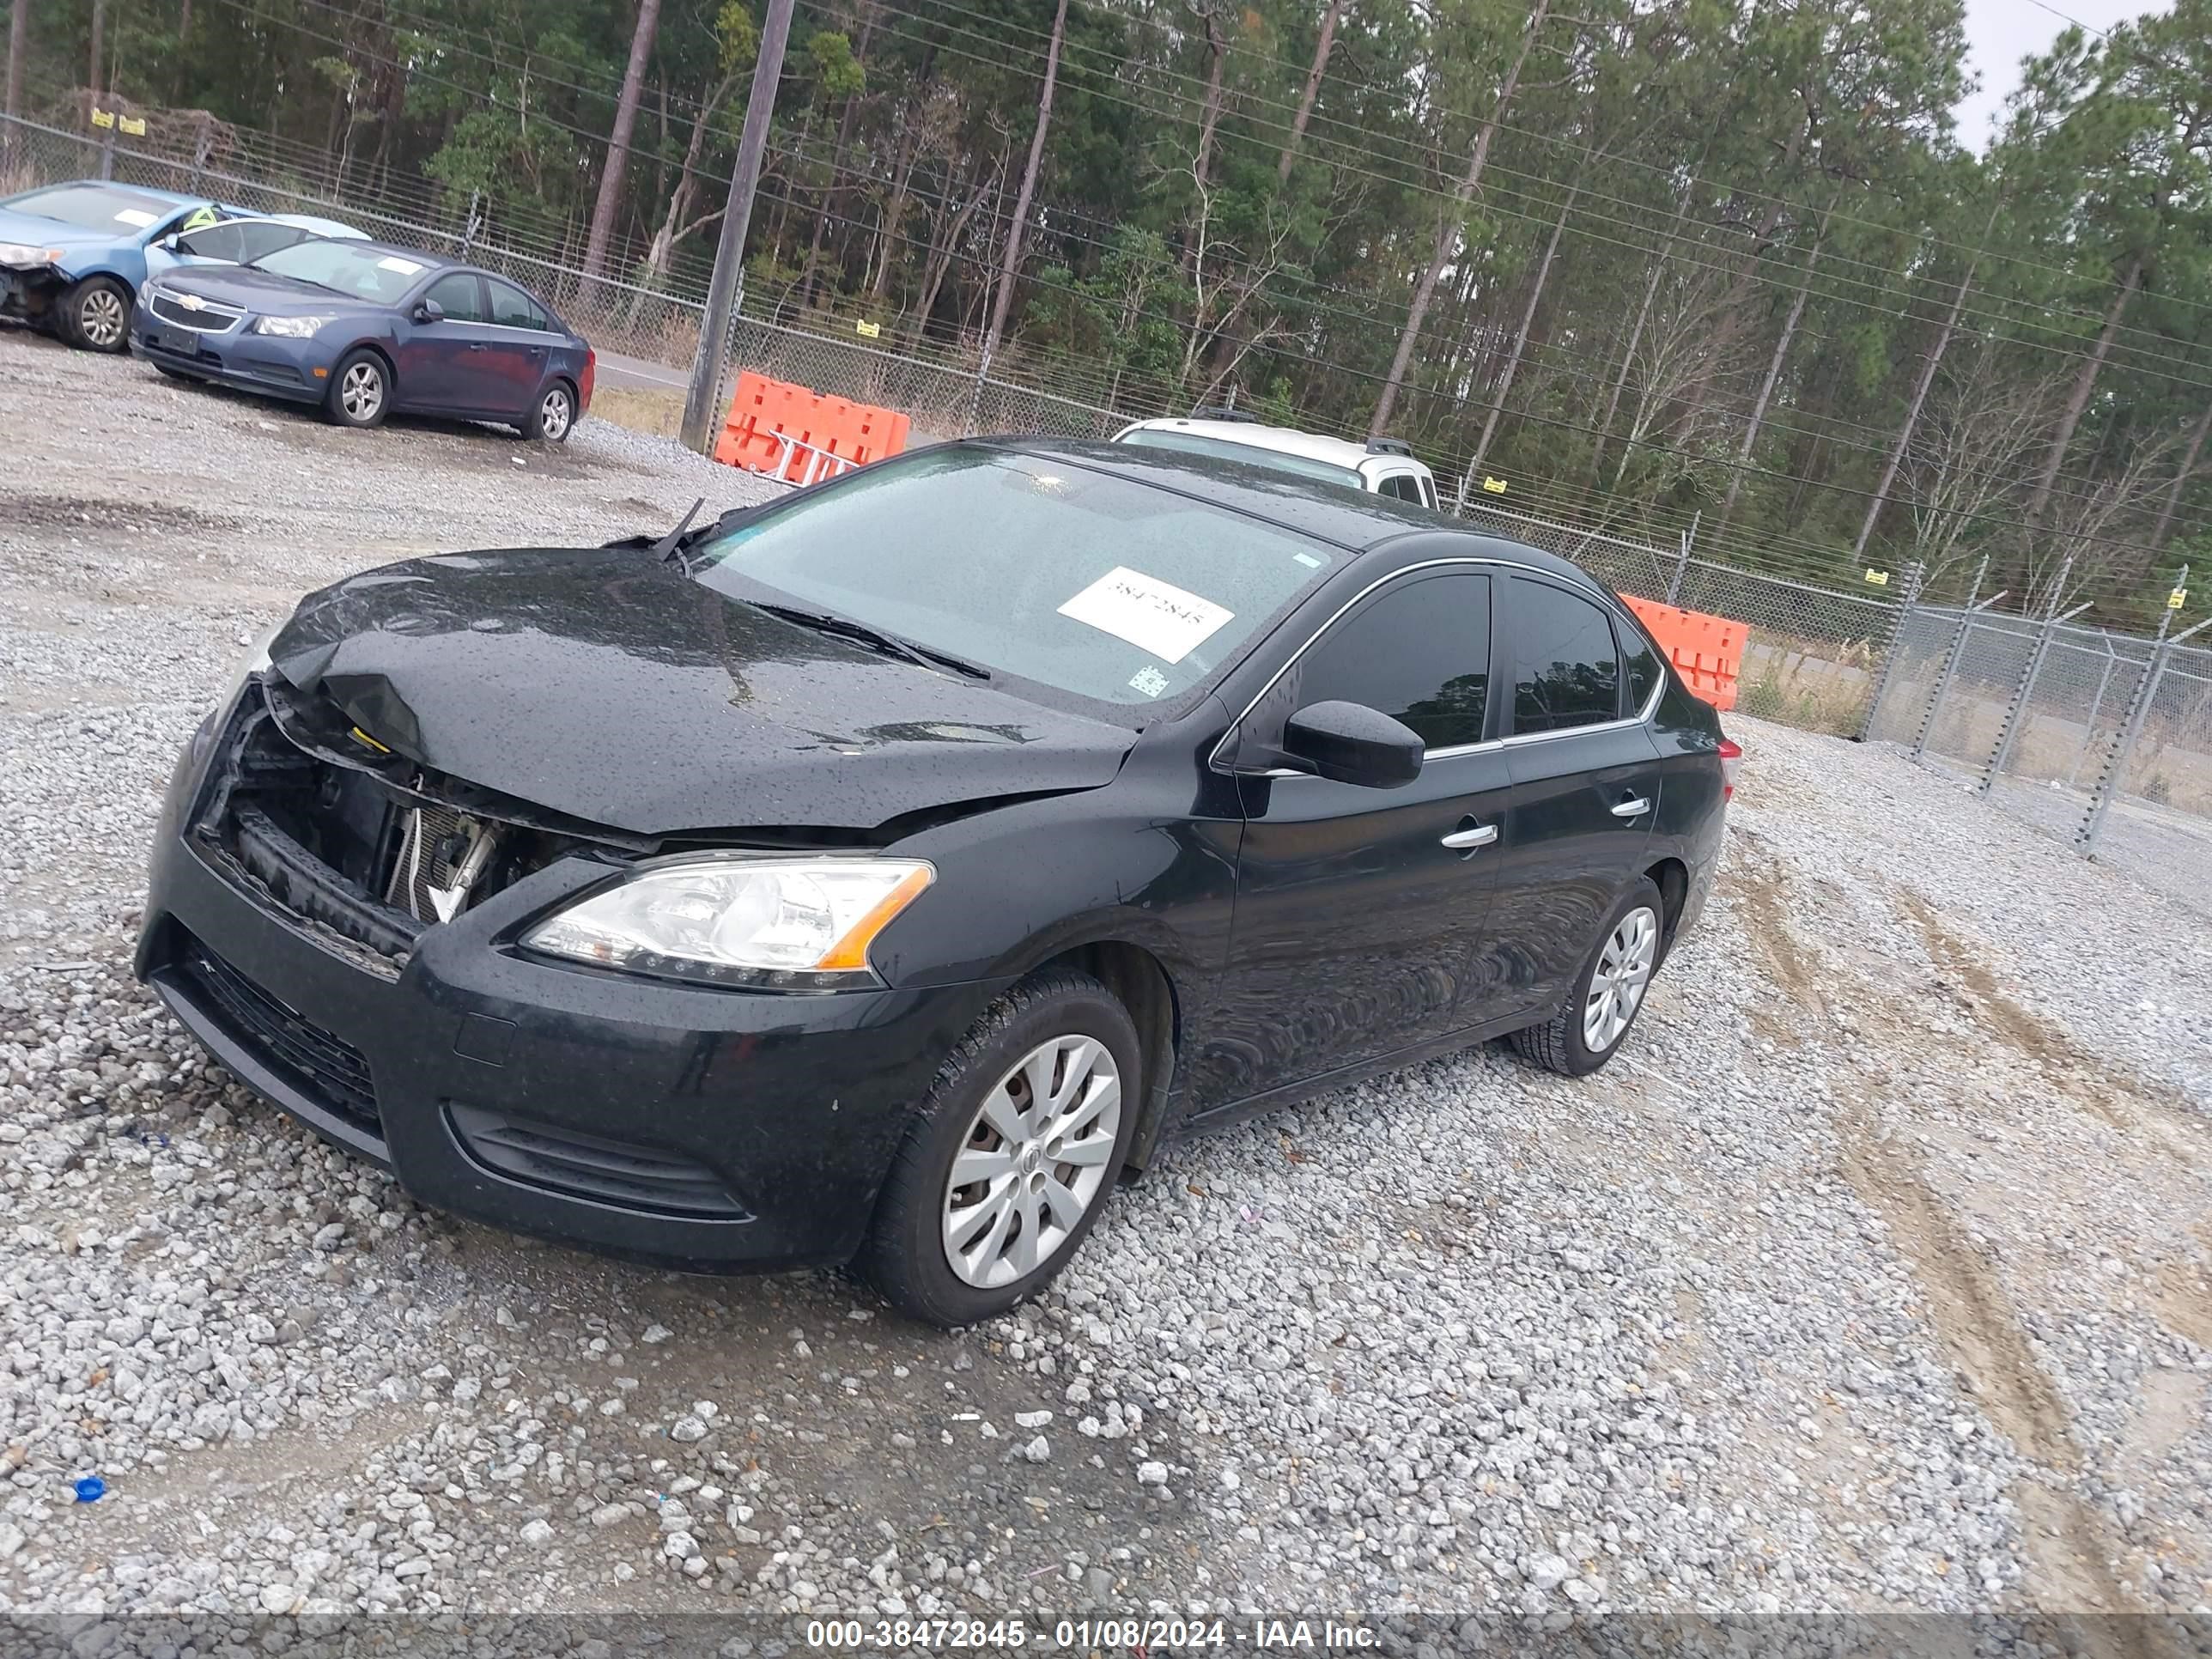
705	1129
28	296
266	363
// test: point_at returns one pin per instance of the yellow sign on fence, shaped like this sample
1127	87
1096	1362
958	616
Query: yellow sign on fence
2176	599
134	126
867	330
1495	486
1879	578
102	117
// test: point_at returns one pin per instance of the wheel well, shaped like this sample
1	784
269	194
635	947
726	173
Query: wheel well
1136	977
1672	878
391	368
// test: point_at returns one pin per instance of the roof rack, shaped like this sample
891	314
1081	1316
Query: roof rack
1215	412
1390	447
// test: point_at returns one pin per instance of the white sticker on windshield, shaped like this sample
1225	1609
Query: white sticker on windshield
1148	682
1152	615
405	267
136	218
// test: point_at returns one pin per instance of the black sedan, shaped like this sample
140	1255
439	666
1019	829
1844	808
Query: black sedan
364	330
875	875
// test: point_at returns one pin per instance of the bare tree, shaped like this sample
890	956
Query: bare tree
1321	50
1019	221
611	175
2078	400
2079	546
1980	424
1451	226
1520	344
1693	341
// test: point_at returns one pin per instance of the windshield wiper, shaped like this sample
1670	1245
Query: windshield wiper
671	545
889	644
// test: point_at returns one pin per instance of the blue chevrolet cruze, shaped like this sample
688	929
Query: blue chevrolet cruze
364	330
73	256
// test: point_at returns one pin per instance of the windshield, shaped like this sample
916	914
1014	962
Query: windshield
1251	454
94	207
348	268
1077	580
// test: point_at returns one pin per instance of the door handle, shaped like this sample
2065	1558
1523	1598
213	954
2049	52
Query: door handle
475	345
1470	835
1634	807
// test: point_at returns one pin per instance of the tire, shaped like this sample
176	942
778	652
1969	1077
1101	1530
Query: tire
1069	1019
95	315
360	394
553	417
1579	1039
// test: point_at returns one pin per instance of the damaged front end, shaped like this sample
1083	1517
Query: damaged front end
30	293
364	848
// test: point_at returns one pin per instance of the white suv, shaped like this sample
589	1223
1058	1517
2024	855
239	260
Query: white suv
1385	466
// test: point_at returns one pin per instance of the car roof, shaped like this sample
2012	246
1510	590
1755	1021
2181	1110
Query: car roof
1283	439
144	192
325	228
1356	521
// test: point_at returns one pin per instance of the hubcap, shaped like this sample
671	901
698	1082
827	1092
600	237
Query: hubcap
1616	988
362	391
101	317
553	416
1033	1162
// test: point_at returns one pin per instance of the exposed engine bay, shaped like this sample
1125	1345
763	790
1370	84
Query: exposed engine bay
367	847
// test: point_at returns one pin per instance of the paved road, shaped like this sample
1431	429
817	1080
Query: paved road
638	373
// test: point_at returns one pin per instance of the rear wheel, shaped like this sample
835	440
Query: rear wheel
95	314
1608	993
361	391
554	417
1009	1163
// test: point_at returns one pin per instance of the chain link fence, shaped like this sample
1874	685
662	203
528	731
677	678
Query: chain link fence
2103	739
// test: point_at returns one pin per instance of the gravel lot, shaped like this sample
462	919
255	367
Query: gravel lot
1877	1276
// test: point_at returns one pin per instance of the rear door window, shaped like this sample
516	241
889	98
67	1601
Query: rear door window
512	308
1642	663
1566	668
1419	652
1402	486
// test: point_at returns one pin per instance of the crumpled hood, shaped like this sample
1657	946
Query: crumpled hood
605	685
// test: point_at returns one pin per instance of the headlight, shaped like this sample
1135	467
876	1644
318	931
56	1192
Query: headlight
291	328
766	920
22	256
250	664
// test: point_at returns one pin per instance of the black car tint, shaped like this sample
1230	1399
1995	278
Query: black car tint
1566	669
459	296
1418	651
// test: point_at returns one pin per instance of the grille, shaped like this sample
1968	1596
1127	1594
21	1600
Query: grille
327	1069
589	1166
210	317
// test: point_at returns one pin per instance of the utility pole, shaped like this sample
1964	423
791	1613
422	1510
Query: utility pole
730	251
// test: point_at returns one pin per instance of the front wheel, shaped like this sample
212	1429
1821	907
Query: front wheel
1608	993
361	391
96	315
1016	1146
554	416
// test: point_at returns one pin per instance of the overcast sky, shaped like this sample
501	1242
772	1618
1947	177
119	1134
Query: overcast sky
2000	32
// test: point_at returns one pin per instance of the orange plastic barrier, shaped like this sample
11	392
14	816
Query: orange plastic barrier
802	436
1707	651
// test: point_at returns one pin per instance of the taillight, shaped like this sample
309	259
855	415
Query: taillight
590	374
1731	753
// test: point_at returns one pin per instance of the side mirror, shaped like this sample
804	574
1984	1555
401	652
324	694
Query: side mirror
1353	744
429	311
